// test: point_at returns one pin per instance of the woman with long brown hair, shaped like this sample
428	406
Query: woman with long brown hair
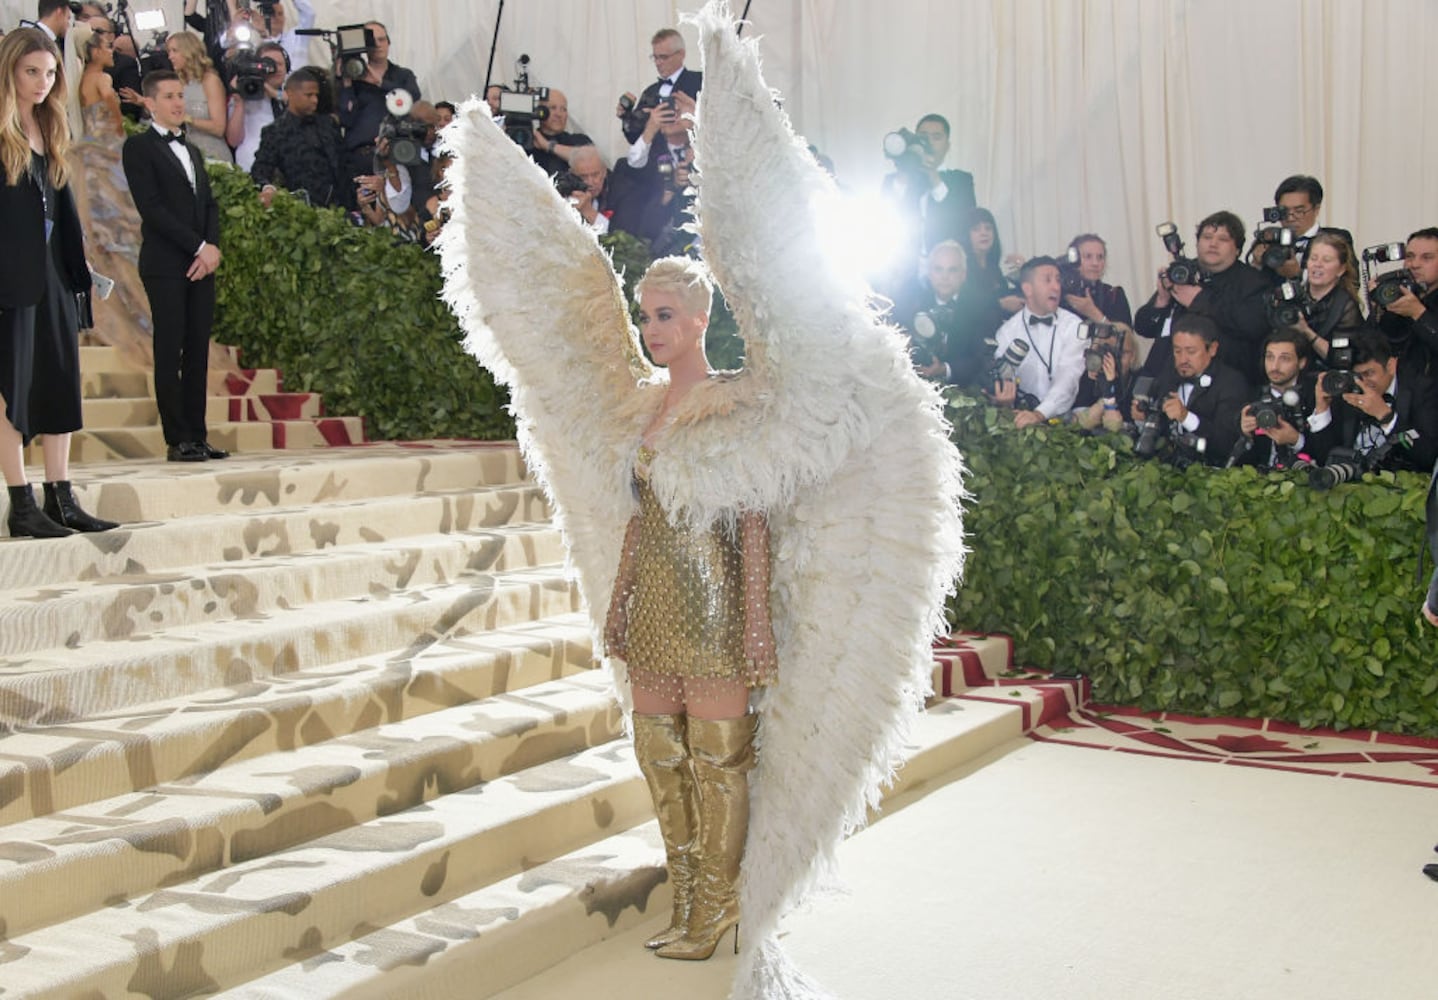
1332	308
44	252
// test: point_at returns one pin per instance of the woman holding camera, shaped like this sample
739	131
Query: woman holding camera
1100	302
43	248
1332	309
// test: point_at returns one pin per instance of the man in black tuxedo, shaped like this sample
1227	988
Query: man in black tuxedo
948	347
1384	408
1201	396
932	205
180	227
611	200
1285	358
667	51
1411	322
1232	294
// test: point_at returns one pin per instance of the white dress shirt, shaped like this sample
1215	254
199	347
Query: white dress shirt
1054	365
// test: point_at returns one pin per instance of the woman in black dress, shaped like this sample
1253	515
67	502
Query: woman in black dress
42	246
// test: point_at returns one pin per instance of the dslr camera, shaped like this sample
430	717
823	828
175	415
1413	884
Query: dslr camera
1275	238
406	135
568	183
1268	411
1074	283
1006	369
1146	432
1340	377
1181	270
906	149
929	333
1393	284
1287	305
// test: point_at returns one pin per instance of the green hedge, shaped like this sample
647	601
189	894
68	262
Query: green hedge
1201	591
346	312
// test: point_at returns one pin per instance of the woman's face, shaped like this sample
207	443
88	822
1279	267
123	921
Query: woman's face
103	52
34	78
1093	260
982	237
1324	266
669	330
177	58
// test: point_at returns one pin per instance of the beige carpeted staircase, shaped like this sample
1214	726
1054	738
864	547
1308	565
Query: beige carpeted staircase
325	723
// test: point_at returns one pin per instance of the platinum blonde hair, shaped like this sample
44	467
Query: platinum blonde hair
685	277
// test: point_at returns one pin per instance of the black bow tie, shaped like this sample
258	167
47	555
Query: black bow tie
1041	320
174	136
663	80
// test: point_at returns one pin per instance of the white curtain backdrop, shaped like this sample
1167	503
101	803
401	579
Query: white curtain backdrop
1073	115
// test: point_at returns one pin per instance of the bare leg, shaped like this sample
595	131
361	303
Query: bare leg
729	701
12	452
57	457
647	702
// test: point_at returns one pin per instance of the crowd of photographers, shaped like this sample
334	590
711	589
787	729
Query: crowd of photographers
1286	348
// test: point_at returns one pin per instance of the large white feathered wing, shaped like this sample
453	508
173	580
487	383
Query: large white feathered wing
543	310
848	450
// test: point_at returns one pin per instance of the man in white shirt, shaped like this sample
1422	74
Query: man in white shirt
1051	370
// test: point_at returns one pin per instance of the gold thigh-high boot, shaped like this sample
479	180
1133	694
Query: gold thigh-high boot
664	759
722	752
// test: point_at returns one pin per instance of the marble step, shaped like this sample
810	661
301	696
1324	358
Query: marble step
144	548
62	685
66	864
214	931
66	766
135	606
120	412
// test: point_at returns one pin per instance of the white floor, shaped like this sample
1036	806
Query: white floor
1066	873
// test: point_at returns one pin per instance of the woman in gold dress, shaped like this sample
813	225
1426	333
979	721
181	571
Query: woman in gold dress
690	615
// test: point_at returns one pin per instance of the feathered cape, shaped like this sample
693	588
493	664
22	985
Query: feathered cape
828	430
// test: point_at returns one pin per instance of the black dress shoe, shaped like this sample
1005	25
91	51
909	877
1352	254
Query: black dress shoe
211	451
186	451
1431	871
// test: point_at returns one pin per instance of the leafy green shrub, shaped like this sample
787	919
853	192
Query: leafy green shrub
1203	591
346	312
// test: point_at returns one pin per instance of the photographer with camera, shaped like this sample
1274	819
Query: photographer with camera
1085	291
667	53
301	149
1216	285
1105	392
1330	298
941	318
931	204
257	88
553	144
1362	404
1297	202
609	201
362	107
1046	380
1273	427
1199	398
1410	319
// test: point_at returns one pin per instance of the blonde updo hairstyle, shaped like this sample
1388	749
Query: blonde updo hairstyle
684	277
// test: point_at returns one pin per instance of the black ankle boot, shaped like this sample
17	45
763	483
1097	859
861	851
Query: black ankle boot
27	520
62	508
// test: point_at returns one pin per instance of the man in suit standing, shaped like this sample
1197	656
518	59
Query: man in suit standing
180	227
667	51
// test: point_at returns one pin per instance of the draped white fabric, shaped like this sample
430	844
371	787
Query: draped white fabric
1073	115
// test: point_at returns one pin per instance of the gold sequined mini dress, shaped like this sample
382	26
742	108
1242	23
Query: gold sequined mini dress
686	604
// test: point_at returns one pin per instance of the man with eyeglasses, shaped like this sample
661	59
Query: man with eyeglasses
1300	197
361	102
667	52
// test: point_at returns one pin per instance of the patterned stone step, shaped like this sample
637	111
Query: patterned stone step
145	548
290	905
486	941
60	686
130	383
333	432
63	767
136	606
118	412
112	444
64	865
150	491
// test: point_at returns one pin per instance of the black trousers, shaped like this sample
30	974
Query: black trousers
183	312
